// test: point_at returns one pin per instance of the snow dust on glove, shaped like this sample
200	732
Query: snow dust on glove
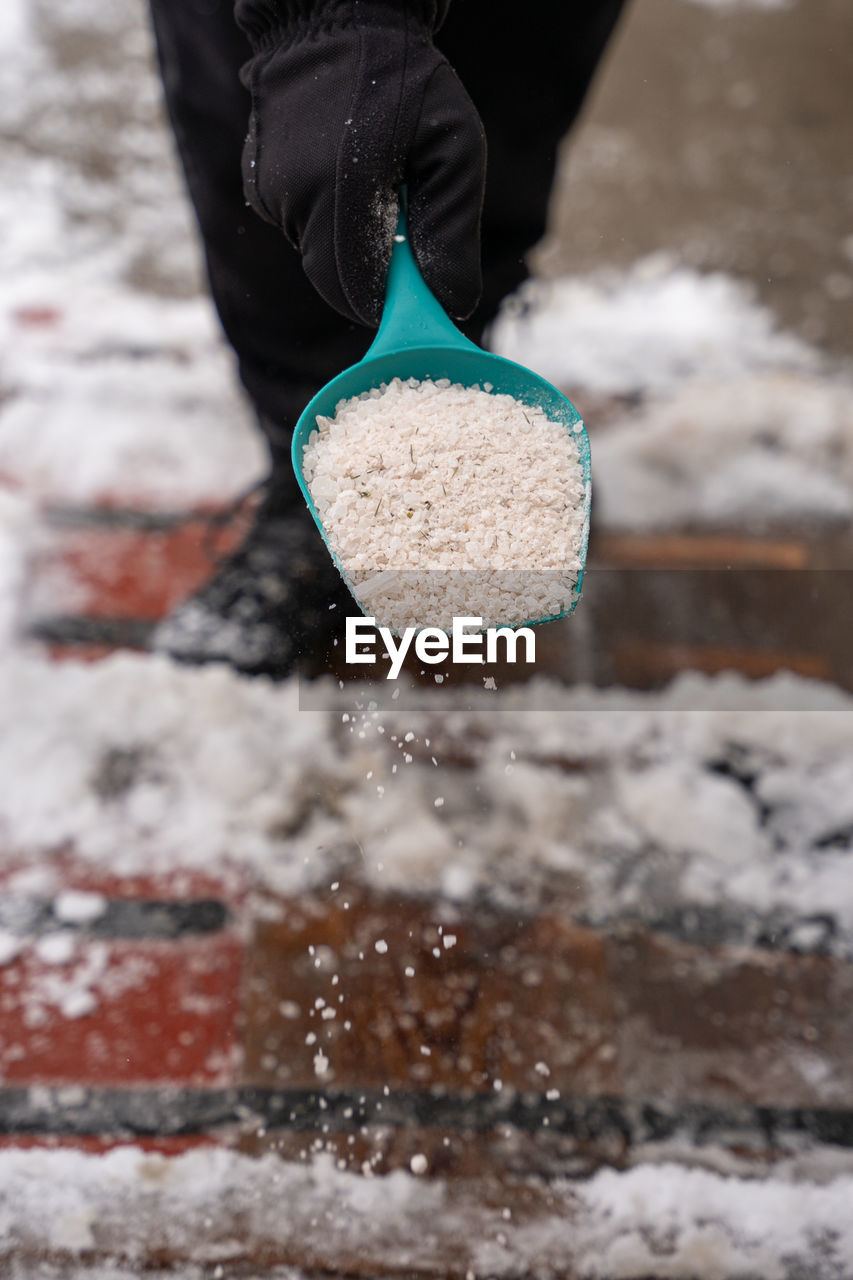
350	98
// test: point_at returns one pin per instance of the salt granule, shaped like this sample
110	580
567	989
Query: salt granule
74	906
445	501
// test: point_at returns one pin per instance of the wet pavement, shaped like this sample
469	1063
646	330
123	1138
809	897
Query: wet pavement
721	134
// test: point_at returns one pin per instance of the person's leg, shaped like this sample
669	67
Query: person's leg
288	341
274	601
527	67
527	72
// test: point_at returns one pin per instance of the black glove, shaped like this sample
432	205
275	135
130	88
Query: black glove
350	98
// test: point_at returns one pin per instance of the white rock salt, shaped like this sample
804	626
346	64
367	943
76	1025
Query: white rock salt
442	500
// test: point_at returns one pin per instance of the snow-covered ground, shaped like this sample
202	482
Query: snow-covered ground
660	1220
719	794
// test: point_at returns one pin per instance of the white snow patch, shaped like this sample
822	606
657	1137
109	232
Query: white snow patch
651	327
767	448
14	27
672	1222
663	1219
217	770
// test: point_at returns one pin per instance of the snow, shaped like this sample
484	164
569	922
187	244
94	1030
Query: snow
652	328
739	424
761	450
110	390
218	768
660	1219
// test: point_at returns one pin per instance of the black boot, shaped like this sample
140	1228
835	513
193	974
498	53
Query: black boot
273	607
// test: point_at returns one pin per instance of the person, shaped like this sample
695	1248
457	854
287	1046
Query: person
296	122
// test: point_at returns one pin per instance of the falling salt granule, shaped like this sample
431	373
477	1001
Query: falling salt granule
449	940
77	1004
74	906
409	971
542	1068
438	801
419	1164
321	1063
489	683
381	946
56	948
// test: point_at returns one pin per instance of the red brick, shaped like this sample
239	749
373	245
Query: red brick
127	573
731	1024
37	317
82	652
95	1145
180	885
508	996
639	661
163	1012
696	551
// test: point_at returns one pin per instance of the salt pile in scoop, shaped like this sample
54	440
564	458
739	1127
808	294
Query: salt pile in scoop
445	501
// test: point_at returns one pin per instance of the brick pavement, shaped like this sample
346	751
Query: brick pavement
498	1045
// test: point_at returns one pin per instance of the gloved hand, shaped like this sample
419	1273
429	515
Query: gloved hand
350	98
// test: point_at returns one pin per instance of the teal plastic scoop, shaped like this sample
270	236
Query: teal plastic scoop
416	339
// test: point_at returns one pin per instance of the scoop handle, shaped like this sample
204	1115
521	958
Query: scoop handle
412	315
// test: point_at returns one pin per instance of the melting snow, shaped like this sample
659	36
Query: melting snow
661	1219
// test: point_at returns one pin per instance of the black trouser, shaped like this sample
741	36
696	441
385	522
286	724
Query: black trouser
527	65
